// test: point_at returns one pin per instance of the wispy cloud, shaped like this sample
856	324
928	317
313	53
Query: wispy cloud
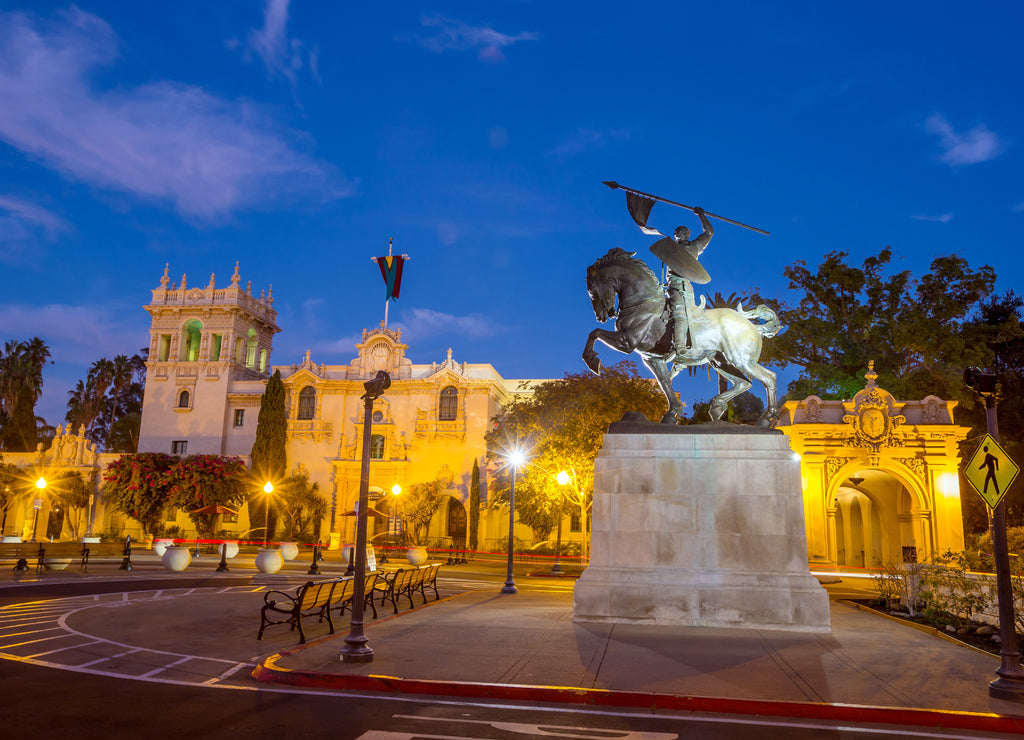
23	225
958	149
945	218
163	141
281	55
454	35
585	140
425	322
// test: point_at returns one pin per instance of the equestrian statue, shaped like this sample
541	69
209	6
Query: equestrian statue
665	325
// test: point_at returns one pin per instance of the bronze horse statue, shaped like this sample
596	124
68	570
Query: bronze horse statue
729	340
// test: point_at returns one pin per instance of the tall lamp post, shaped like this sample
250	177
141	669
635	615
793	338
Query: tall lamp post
41	485
515	459
357	648
268	489
562	479
396	490
1010	684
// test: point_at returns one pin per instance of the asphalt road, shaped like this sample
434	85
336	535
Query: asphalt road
42	702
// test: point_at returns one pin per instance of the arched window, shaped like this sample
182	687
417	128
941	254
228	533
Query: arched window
191	336
183	400
307	402
250	350
377	447
448	408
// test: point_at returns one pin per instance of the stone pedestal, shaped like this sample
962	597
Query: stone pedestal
700	529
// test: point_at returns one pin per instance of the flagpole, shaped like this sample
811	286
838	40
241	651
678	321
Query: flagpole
387	301
377	261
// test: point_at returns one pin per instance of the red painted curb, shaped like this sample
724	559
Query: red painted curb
268	671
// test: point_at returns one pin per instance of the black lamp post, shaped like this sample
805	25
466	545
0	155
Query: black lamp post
515	458
41	485
562	479
1010	684
357	648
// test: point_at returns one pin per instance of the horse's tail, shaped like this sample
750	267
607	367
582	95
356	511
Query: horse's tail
763	319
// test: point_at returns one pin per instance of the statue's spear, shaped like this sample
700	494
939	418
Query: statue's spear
641	209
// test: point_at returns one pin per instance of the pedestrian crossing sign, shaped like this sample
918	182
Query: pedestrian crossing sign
991	471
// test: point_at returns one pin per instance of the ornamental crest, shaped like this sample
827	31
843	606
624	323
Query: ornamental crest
874	422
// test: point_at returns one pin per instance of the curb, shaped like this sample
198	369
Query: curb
269	671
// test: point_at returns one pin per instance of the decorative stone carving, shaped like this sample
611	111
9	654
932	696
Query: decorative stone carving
834	464
934	411
812	410
874	422
915	465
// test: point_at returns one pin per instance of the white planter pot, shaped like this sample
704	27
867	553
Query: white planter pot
160	546
12	539
230	548
90	540
289	550
56	563
346	553
176	558
417	554
269	560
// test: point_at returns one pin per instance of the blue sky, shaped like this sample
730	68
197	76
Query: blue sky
297	137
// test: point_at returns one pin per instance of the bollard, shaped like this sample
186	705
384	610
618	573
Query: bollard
126	561
314	569
21	566
223	567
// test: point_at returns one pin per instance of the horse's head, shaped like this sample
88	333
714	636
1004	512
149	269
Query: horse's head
602	293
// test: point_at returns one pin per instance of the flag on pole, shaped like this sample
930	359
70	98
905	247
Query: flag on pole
640	209
391	271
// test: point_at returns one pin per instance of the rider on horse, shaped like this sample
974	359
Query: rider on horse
680	255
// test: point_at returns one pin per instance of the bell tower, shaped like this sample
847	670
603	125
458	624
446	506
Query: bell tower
204	343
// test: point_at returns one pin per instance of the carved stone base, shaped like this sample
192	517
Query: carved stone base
700	530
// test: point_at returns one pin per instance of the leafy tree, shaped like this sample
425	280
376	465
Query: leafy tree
198	481
302	507
561	427
914	329
71	492
108	404
420	505
139	486
11	480
474	506
21	383
746	408
268	460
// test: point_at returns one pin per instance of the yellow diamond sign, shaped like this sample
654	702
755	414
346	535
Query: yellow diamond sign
991	471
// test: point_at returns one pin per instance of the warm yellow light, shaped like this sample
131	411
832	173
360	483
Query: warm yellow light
396	489
269	488
41	483
562	478
516	458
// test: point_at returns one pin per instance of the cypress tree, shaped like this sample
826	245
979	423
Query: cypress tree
474	506
268	460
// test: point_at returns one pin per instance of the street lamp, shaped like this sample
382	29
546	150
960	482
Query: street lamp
562	479
268	489
515	459
37	505
399	529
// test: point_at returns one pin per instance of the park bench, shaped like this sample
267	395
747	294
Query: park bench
313	598
22	552
406	582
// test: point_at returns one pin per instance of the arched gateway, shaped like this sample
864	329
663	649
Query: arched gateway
879	476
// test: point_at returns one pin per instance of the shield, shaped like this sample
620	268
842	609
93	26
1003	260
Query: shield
680	261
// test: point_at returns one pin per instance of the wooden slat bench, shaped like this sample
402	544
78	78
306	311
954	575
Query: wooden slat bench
42	551
313	598
406	582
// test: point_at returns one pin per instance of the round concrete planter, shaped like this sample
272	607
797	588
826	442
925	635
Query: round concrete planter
417	554
160	546
269	560
289	550
230	548
176	558
56	563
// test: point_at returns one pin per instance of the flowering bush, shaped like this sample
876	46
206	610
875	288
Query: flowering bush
138	485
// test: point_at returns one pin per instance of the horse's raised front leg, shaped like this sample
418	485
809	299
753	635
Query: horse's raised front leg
615	340
657	365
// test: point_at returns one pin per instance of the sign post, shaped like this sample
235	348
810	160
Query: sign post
991	471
